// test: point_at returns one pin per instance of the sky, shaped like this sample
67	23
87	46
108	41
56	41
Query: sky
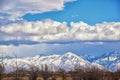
34	27
91	12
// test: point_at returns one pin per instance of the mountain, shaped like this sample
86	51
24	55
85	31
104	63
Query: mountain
88	57
109	60
67	61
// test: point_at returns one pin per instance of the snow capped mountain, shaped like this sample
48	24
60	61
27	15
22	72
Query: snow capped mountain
67	61
88	57
109	60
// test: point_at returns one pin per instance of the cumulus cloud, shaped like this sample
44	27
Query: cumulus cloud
17	8
49	30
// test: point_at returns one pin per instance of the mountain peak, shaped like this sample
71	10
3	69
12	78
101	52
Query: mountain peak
70	54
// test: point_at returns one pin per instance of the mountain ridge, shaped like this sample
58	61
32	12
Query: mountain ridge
109	60
69	61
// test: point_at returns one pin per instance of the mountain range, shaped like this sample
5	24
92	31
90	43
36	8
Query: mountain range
109	60
67	61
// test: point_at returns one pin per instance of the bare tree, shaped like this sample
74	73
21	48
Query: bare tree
73	74
16	77
34	70
80	72
2	66
116	75
19	69
62	73
1	71
45	73
94	73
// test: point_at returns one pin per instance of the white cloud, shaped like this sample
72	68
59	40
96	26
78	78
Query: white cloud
4	50
99	43
48	30
93	48
22	50
17	8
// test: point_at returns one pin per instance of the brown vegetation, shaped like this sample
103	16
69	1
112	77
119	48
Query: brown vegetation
34	73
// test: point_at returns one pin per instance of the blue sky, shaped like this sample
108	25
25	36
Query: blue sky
89	11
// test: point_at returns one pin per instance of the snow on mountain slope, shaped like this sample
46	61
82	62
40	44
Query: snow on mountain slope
88	57
109	60
118	66
67	61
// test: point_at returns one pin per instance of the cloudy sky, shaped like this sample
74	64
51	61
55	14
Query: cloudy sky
35	27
